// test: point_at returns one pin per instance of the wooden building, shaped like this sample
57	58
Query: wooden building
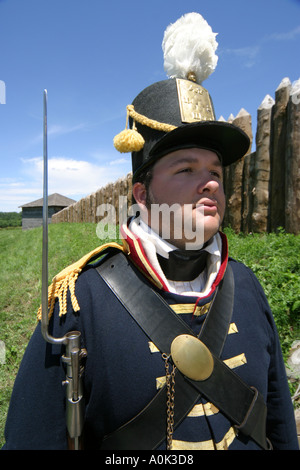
32	213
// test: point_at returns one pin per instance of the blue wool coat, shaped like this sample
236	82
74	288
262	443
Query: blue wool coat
123	371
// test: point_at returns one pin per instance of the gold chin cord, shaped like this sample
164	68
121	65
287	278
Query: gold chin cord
74	354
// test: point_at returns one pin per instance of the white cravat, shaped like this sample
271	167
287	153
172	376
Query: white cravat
153	243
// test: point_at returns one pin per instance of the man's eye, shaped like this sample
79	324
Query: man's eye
184	170
216	173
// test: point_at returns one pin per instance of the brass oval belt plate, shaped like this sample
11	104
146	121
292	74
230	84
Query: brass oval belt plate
192	357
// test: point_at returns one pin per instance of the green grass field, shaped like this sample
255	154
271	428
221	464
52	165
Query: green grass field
274	258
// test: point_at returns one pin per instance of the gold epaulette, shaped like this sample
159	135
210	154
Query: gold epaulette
65	280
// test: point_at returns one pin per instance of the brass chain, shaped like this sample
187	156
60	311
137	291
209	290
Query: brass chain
170	385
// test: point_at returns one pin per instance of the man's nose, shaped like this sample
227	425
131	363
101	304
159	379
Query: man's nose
207	184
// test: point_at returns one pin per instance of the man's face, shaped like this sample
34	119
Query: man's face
192	180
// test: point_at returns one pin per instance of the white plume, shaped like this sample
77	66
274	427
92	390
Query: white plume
189	45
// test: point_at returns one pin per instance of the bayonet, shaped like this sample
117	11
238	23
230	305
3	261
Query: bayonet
44	322
73	352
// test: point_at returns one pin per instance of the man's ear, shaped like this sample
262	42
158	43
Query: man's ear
139	193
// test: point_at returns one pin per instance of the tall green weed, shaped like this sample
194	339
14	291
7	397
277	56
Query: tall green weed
274	259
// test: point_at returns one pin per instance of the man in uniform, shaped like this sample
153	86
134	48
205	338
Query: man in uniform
147	310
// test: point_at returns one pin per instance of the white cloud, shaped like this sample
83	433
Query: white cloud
14	193
287	36
59	130
248	55
120	161
69	177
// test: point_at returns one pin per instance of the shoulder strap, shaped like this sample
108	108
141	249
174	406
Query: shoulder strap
245	408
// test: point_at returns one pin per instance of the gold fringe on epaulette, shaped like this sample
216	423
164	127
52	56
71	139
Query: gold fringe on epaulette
66	279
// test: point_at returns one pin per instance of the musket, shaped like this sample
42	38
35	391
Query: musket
73	353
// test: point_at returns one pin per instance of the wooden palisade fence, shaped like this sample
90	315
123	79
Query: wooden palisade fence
262	189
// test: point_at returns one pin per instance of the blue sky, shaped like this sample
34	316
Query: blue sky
95	56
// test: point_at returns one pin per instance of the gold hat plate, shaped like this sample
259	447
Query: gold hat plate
194	102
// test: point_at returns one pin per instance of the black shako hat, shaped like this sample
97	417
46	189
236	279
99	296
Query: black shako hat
178	112
188	107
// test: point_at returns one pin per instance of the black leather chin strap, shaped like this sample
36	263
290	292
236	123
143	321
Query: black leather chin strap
243	406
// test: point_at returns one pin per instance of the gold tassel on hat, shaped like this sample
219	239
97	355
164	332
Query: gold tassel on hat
130	140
